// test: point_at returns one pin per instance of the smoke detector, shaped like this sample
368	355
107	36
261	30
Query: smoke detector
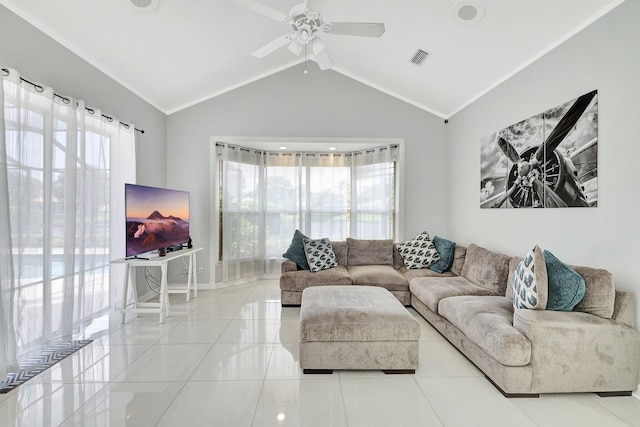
468	12
144	6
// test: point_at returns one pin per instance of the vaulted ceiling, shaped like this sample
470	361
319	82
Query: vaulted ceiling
176	53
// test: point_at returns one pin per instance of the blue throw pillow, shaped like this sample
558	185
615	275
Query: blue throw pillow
566	286
295	252
446	249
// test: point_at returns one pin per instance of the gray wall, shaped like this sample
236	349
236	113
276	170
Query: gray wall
41	59
605	57
319	104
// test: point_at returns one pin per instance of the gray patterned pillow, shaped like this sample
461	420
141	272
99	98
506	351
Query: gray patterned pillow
319	253
530	284
419	252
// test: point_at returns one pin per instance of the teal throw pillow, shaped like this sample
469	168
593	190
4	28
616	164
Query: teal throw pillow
446	249
295	252
566	286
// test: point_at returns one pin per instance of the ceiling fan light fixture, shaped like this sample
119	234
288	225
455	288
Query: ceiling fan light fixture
306	22
295	48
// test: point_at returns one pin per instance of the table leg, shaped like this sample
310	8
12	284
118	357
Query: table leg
195	275
189	276
125	287
164	293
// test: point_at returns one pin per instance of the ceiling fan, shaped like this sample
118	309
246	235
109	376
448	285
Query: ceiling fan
307	24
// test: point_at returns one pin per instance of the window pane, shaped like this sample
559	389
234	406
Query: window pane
329	199
282	207
375	201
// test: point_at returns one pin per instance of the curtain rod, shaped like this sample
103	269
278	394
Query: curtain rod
66	100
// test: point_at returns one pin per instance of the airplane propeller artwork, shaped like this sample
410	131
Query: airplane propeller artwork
542	176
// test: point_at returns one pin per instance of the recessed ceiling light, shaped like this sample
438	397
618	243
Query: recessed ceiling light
333	148
282	147
144	5
468	12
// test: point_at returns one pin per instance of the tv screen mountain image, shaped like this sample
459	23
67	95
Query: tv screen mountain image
156	218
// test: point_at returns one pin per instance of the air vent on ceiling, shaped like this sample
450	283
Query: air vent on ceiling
419	57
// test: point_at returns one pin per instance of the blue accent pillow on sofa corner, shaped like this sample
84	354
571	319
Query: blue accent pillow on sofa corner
446	249
566	286
296	252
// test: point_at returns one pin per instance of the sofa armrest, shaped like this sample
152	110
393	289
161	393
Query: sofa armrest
288	265
574	351
624	309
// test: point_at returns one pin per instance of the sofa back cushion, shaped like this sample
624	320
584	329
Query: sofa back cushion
340	249
486	269
600	292
458	259
369	252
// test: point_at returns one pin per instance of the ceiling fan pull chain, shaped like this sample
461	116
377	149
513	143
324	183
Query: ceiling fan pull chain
305	58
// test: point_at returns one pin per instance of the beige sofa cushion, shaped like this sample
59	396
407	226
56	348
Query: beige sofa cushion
600	292
458	259
486	269
411	274
369	252
340	249
299	280
339	313
430	290
383	276
488	322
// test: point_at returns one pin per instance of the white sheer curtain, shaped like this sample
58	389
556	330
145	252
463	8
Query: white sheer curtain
242	212
373	194
60	167
309	192
265	197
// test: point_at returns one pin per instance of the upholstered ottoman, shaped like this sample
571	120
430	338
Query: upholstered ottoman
356	327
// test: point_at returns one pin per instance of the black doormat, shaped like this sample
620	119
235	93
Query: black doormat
33	367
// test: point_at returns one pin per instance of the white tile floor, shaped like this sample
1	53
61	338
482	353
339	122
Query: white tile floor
229	358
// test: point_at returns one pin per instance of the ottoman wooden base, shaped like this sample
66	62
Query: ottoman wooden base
356	327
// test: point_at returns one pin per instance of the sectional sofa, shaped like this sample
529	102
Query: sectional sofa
593	348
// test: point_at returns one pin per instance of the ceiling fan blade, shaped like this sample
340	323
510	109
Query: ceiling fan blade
271	46
315	5
565	125
261	9
508	150
322	58
296	47
362	29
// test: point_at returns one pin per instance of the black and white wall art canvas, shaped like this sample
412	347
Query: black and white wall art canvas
549	160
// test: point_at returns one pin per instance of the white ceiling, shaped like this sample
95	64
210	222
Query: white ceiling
186	51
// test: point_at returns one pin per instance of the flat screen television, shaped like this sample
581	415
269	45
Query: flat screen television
156	218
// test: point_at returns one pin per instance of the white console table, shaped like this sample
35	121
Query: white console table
163	306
